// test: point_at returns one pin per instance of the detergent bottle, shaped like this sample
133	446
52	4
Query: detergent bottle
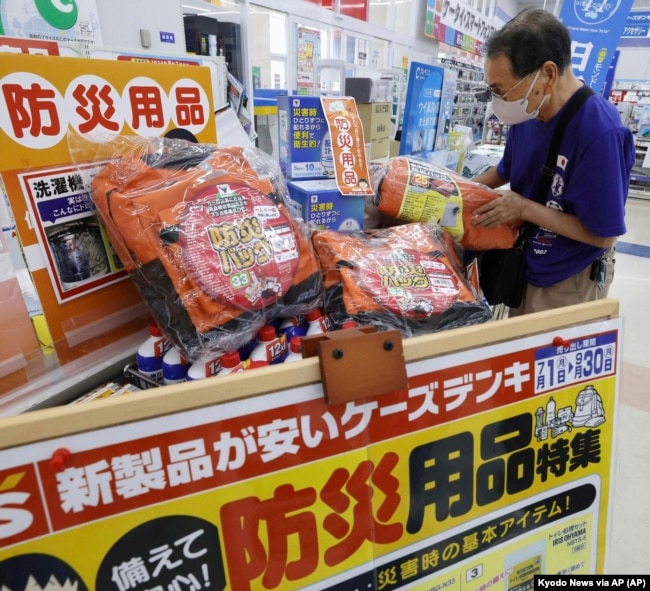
295	350
150	354
318	322
293	326
270	347
204	368
174	367
232	363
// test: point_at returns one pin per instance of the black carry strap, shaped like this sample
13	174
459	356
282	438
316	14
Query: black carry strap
548	170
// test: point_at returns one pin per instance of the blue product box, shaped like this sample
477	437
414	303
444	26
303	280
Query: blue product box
320	203
305	145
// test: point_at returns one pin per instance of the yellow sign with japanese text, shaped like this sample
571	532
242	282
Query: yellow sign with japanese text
45	101
494	466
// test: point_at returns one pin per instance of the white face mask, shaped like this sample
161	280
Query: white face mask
513	112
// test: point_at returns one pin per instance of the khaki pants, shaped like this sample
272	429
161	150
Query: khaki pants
576	289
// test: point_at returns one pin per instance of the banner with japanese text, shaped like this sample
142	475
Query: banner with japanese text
43	101
596	29
493	466
348	145
457	24
636	32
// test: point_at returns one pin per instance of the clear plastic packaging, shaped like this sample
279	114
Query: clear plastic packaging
292	327
206	235
414	190
407	277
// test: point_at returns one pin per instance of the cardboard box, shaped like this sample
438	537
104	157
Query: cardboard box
320	203
379	149
304	141
375	118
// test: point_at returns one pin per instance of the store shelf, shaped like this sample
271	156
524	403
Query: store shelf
640	177
468	112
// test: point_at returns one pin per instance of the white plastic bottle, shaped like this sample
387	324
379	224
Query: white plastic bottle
204	368
175	367
150	354
231	363
317	321
295	350
270	347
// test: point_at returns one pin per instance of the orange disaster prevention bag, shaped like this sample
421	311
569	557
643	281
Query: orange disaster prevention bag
409	189
205	234
404	277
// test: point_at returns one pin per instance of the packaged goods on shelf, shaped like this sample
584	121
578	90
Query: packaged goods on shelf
410	189
406	277
206	235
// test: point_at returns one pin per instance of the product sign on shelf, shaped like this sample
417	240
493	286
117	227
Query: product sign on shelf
493	466
49	106
422	109
347	145
636	32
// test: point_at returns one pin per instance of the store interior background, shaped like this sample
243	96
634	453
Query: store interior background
261	45
391	38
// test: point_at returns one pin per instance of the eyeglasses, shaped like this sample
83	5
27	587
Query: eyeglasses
487	94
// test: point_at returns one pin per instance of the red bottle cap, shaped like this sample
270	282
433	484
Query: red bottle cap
314	314
230	360
267	333
295	345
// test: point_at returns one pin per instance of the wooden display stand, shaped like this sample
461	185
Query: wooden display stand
377	463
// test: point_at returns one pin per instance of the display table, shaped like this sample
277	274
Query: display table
494	463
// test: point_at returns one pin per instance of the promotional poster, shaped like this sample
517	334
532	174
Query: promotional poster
493	466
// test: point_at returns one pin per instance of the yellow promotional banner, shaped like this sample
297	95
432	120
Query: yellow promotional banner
44	102
494	466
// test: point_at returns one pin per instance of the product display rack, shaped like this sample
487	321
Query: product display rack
640	178
178	437
468	111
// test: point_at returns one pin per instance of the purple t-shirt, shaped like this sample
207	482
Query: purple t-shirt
591	180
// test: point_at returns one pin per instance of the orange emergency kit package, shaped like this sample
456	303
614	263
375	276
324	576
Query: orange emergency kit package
405	277
205	234
410	189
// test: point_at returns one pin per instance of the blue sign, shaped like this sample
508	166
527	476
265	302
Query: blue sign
421	109
636	32
167	37
596	27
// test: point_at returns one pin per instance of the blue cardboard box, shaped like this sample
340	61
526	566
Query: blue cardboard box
305	145
320	203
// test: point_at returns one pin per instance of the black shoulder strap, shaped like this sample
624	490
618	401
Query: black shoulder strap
575	102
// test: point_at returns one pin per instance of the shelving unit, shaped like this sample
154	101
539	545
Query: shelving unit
640	179
468	111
